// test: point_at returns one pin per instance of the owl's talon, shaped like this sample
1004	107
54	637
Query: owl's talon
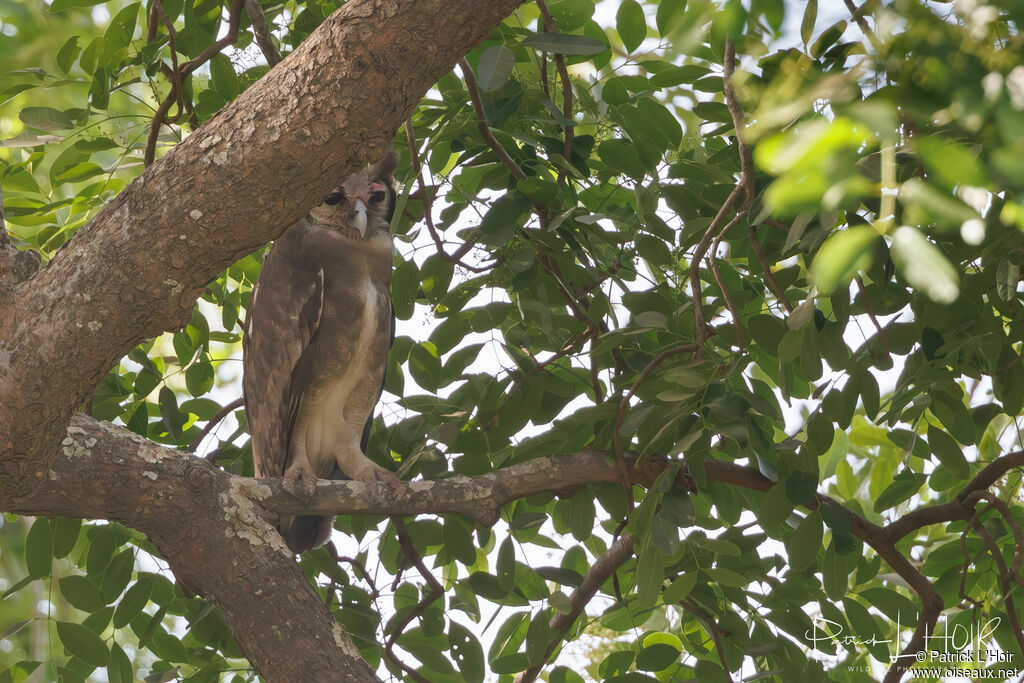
373	474
303	478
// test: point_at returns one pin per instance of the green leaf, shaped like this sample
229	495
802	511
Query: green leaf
91	53
657	656
565	43
101	550
679	588
83	643
65	535
805	541
495	67
776	507
169	412
570	15
118	36
842	256
467	653
537	637
61	5
631	24
78	173
650	574
807	23
119	668
622	156
665	532
425	366
688	73
801	485
67	53
728	577
1007	279
199	377
924	266
223	77
45	118
949	162
669	14
505	216
117	575
506	564
835	572
949	453
133	601
903	486
81	593
39	548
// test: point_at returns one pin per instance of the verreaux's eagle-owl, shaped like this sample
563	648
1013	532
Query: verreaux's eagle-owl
319	328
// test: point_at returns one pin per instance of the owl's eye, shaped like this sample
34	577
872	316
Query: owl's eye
336	197
378	196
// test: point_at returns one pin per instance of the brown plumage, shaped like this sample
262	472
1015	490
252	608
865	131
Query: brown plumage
319	327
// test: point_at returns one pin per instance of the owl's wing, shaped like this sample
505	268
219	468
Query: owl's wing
283	317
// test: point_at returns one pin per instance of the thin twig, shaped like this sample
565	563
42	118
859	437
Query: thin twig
214	421
436	590
858	16
746	186
428	209
712	628
481	121
264	38
766	267
698	255
620	459
961	507
184	71
721	283
604	567
5	239
1004	573
747	179
563	74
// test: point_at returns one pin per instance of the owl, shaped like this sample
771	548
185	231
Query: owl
317	336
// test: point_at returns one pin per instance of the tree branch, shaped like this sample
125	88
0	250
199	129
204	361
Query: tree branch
106	472
962	507
481	121
606	565
264	39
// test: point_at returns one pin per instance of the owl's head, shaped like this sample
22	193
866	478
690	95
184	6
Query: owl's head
364	203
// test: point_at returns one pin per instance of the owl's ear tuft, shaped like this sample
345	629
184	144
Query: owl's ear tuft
384	170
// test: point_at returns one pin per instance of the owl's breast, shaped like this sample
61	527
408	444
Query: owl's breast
352	346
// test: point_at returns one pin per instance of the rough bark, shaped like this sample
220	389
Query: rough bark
137	268
214	535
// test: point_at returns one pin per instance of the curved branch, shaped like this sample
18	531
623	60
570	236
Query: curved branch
961	507
106	472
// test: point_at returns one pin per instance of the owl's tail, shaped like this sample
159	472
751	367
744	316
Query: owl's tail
306	532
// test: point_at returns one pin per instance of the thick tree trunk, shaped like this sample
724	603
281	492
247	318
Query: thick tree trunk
136	270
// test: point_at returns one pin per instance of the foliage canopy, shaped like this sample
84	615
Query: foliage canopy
814	323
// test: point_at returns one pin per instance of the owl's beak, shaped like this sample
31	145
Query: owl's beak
359	217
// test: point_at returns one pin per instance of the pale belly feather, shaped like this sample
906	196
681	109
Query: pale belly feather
336	421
